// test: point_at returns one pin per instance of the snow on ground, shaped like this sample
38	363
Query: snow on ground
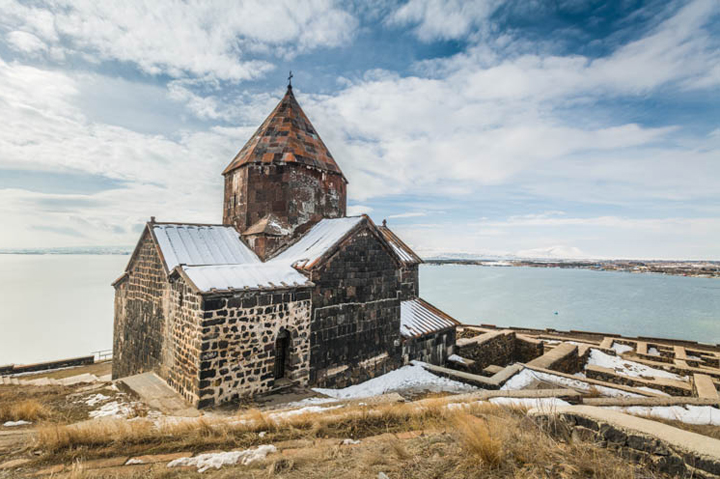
219	459
457	359
16	423
688	414
651	390
95	399
622	348
411	377
652	351
628	368
296	412
114	409
527	376
544	404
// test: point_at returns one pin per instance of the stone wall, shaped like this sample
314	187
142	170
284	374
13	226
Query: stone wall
432	348
497	347
238	342
527	349
139	313
181	351
296	194
409	282
356	313
673	456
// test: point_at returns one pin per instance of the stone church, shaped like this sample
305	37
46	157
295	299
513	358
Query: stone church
287	291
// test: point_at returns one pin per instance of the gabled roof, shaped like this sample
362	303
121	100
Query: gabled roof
404	252
231	277
286	136
269	225
200	245
418	318
319	240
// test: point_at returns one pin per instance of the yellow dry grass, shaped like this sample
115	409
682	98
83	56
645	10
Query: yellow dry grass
27	410
468	440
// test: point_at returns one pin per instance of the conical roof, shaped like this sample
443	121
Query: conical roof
286	136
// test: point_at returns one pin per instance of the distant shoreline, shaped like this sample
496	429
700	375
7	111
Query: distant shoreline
695	269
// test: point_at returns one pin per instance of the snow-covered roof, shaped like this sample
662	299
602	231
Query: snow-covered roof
245	276
418	317
403	251
201	245
316	242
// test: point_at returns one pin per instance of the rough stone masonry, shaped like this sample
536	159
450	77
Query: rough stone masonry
287	291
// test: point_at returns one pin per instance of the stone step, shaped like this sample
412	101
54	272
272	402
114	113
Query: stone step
704	387
641	347
155	392
492	369
606	343
680	353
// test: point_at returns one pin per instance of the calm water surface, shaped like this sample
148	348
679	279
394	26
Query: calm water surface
623	303
57	306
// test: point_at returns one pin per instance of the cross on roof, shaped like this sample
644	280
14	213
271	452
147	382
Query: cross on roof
290	76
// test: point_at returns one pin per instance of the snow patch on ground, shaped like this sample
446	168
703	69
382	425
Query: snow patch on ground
96	399
457	359
349	442
16	423
132	461
545	404
114	409
688	414
526	377
653	351
410	377
622	348
628	368
306	409
203	462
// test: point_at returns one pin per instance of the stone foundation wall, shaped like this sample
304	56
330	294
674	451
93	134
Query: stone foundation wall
527	349
671	387
355	331
238	342
496	348
140	306
653	453
432	348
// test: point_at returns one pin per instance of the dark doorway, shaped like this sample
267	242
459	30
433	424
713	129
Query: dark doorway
282	344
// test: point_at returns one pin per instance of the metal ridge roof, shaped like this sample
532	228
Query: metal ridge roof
418	318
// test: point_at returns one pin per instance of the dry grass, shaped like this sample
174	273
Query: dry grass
26	410
465	441
477	441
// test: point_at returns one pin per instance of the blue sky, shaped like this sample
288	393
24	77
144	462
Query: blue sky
569	128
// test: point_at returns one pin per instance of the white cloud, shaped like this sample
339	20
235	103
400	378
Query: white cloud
25	42
176	38
356	210
443	19
413	214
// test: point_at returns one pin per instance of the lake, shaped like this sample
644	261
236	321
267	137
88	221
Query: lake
58	306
